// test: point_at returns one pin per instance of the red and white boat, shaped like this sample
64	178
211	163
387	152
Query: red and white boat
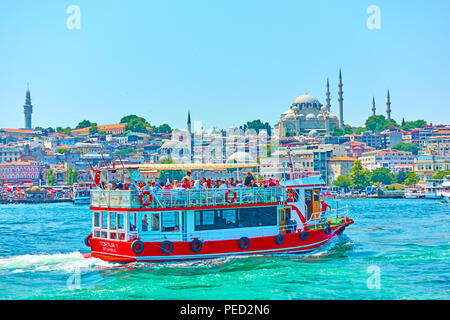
180	225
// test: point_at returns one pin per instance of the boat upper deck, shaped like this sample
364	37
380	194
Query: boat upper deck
188	198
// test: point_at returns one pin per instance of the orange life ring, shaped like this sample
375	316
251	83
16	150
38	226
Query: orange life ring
141	196
234	196
290	195
97	178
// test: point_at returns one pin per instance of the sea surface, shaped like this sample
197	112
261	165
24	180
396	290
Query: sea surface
396	249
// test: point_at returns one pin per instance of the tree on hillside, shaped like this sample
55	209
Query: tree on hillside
137	125
164	128
361	178
408	125
406	146
66	130
51	177
381	175
401	176
257	125
441	174
83	124
93	128
337	132
411	179
343	182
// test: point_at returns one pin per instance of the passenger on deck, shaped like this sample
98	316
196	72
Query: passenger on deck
324	206
186	184
248	179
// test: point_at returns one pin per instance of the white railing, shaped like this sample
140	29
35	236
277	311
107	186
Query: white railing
321	217
188	198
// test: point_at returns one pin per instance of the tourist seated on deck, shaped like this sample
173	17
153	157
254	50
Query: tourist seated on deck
198	186
168	186
186	184
248	179
240	184
272	183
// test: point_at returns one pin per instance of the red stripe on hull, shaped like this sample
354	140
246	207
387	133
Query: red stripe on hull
120	251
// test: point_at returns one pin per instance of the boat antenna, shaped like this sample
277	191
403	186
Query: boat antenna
291	162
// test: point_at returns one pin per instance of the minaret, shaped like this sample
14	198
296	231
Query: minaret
341	102
28	109
328	97
373	107
388	104
189	123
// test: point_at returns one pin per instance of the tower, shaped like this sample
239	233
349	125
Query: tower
328	97
341	102
388	108
189	127
28	109
373	107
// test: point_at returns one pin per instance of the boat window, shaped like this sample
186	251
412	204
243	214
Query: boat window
265	216
155	222
96	219
144	224
113	221
316	195
120	221
132	221
170	222
105	220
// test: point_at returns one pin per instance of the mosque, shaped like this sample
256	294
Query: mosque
308	115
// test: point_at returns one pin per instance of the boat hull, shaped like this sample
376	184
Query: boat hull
121	251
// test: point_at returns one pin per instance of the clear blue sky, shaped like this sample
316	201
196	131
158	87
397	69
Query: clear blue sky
227	61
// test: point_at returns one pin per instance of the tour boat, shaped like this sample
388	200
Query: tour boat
413	193
183	225
445	191
433	189
81	194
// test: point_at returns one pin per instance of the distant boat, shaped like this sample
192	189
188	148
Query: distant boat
82	193
433	189
413	193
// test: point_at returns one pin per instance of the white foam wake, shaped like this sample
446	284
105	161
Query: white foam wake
66	262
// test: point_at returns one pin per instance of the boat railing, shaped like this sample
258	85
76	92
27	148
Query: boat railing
319	218
188	198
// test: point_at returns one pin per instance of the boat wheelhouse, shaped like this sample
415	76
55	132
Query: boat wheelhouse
177	225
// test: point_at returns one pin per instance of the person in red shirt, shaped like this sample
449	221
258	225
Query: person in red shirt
186	184
324	206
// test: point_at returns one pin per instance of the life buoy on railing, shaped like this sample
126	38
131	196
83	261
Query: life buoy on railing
290	195
166	247
137	246
196	245
280	238
97	178
244	243
87	240
141	196
232	199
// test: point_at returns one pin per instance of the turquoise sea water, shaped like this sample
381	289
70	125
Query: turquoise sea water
396	249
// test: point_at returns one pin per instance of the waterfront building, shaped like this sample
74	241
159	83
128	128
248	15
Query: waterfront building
339	166
10	153
380	140
439	145
18	172
427	165
19	133
385	158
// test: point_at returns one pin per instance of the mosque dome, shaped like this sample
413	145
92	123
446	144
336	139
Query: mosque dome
320	117
332	115
313	134
240	157
310	116
307	98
